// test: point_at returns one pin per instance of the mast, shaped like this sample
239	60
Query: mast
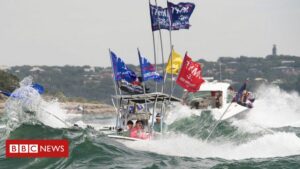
113	71
143	84
116	90
162	51
171	48
154	48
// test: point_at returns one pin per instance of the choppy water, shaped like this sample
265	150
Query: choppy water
237	143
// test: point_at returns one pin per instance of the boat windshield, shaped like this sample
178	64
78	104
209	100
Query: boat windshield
205	99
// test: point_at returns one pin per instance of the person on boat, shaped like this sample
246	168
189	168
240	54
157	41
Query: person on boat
244	97
218	99
129	128
231	94
138	131
250	100
247	99
251	97
195	104
157	124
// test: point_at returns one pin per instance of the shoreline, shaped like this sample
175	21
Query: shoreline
78	108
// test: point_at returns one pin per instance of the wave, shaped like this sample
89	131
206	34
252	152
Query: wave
270	145
274	108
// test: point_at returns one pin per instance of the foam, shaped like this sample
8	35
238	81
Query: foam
275	108
271	145
26	105
180	111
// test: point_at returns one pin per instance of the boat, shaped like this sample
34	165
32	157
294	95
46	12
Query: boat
142	107
218	98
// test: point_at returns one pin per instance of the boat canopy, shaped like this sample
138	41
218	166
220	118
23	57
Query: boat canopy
148	98
214	86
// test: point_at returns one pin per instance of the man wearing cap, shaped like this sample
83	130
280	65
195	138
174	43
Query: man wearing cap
157	125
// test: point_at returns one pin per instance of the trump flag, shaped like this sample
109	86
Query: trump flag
190	75
121	71
147	70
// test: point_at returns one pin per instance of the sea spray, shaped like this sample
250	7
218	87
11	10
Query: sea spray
270	145
234	138
22	103
51	114
179	111
273	108
25	105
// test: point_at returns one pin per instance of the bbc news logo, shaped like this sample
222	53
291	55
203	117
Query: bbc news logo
37	148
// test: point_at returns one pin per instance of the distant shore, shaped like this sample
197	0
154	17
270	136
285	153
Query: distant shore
78	108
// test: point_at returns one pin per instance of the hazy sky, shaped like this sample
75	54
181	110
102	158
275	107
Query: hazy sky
80	32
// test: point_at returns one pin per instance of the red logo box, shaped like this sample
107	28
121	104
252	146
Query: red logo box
37	148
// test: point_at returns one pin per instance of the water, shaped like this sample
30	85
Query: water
237	143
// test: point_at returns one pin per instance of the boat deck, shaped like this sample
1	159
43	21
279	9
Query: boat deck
148	98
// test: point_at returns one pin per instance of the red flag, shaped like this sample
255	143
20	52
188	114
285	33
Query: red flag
190	76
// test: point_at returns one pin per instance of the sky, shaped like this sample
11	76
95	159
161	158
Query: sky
81	32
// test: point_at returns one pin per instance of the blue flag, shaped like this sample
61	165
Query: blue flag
147	70
159	18
180	14
239	94
39	88
121	71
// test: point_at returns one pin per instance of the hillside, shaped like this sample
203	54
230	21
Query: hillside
8	82
95	83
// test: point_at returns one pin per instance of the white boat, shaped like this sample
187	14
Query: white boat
142	107
215	97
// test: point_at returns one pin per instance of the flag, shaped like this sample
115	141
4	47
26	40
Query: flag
121	71
159	18
174	63
239	94
177	14
190	77
180	14
147	70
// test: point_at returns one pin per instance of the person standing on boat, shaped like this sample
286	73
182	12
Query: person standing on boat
157	124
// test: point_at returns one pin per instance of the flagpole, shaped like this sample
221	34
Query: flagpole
179	70
170	57
112	67
171	92
154	49
143	84
171	47
170	28
116	92
162	51
165	77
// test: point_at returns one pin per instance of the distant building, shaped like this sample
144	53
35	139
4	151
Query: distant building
274	50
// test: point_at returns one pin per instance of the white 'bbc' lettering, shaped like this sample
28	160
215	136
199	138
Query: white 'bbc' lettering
23	148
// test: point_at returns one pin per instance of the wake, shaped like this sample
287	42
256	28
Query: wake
273	109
